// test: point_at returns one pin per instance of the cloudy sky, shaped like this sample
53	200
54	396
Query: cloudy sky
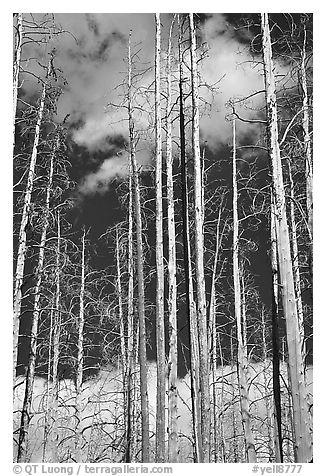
92	57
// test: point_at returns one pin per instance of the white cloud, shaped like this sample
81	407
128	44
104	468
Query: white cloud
230	63
114	167
111	168
93	86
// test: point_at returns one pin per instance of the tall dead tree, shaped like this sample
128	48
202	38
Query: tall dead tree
220	422
276	343
80	357
130	329
123	349
241	333
199	251
190	303
160	334
22	238
56	347
27	403
302	435
172	286
306	133
270	426
140	271
212	346
120	304
296	265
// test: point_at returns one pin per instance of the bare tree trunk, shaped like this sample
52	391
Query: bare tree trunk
221	418
213	380
296	266
140	276
26	410
276	343
199	248
211	318
269	415
160	333
303	442
48	392
233	387
22	246
56	348
130	325
172	297
241	336
190	304
306	137
17	56
120	306
212	345
80	357
124	356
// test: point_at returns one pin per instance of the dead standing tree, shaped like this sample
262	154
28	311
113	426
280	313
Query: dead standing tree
190	303
199	252
302	435
140	268
172	293
160	334
22	246
80	356
241	332
27	403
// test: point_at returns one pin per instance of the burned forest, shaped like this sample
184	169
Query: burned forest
163	227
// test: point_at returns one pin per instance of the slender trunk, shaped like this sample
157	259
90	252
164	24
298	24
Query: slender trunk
27	403
22	246
48	392
211	321
213	378
199	252
56	348
296	267
243	312
120	306
140	276
123	351
212	344
302	436
160	334
80	357
190	304
241	334
276	343
233	387
306	137
172	297
297	281
17	56
269	415
287	413
130	324
221	417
